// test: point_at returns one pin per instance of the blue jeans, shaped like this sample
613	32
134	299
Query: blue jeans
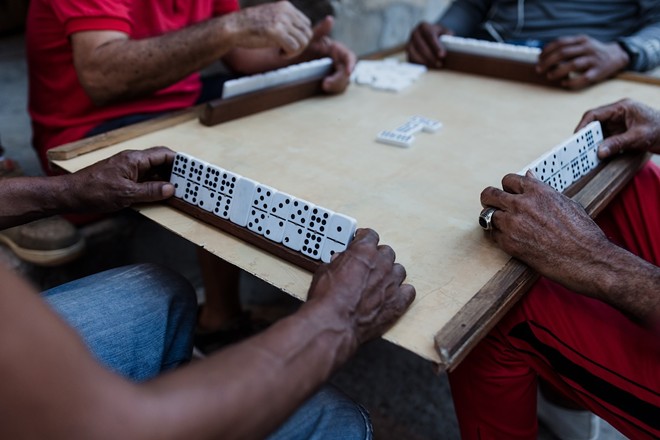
139	321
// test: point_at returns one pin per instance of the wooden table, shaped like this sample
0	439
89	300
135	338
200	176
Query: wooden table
423	201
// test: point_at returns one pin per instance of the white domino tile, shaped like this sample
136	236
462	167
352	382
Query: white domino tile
296	226
340	232
259	215
280	207
492	49
285	75
570	160
312	230
241	205
395	138
389	75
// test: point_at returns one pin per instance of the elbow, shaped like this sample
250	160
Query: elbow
99	87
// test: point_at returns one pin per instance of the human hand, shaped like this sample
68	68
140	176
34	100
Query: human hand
121	180
579	61
627	125
424	45
546	230
277	24
362	287
321	45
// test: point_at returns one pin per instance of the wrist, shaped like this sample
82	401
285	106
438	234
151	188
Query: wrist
628	53
333	326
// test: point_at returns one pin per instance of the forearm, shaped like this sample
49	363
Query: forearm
267	377
29	198
124	69
628	283
644	45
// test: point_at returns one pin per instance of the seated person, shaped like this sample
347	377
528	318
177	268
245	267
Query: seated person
590	327
584	42
136	322
95	66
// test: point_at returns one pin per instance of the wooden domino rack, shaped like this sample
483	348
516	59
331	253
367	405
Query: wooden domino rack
246	235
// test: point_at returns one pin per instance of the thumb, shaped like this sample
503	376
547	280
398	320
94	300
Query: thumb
615	144
323	28
153	191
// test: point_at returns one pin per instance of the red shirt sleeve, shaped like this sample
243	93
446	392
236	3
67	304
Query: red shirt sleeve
222	7
87	15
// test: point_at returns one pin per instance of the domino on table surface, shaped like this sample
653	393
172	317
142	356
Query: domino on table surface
569	161
491	49
262	215
389	74
285	75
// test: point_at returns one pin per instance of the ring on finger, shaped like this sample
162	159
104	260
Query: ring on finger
486	218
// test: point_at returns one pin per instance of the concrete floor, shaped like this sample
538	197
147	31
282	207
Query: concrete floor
407	399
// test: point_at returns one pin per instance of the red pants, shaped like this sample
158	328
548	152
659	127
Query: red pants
584	348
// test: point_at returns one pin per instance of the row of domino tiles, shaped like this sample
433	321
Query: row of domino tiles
570	160
299	225
277	77
492	49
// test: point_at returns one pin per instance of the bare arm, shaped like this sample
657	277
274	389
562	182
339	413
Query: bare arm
112	67
118	182
556	237
245	391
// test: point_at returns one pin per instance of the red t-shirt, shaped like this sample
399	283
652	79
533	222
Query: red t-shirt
60	109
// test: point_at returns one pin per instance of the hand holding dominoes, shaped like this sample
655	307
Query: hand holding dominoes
630	125
569	161
365	283
545	229
315	232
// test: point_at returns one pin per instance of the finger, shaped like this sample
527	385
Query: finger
297	39
430	35
424	52
149	161
572	69
551	60
323	28
606	113
336	82
365	235
408	293
580	81
617	143
495	198
387	252
514	183
152	192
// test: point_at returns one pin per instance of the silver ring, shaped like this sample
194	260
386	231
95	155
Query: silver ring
486	218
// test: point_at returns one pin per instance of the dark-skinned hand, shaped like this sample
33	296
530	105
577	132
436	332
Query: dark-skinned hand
627	125
424	47
122	180
579	61
544	229
363	287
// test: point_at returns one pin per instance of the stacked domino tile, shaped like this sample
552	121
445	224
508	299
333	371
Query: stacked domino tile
314	231
277	77
567	162
491	49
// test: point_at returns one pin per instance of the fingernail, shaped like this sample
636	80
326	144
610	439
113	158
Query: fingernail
167	190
